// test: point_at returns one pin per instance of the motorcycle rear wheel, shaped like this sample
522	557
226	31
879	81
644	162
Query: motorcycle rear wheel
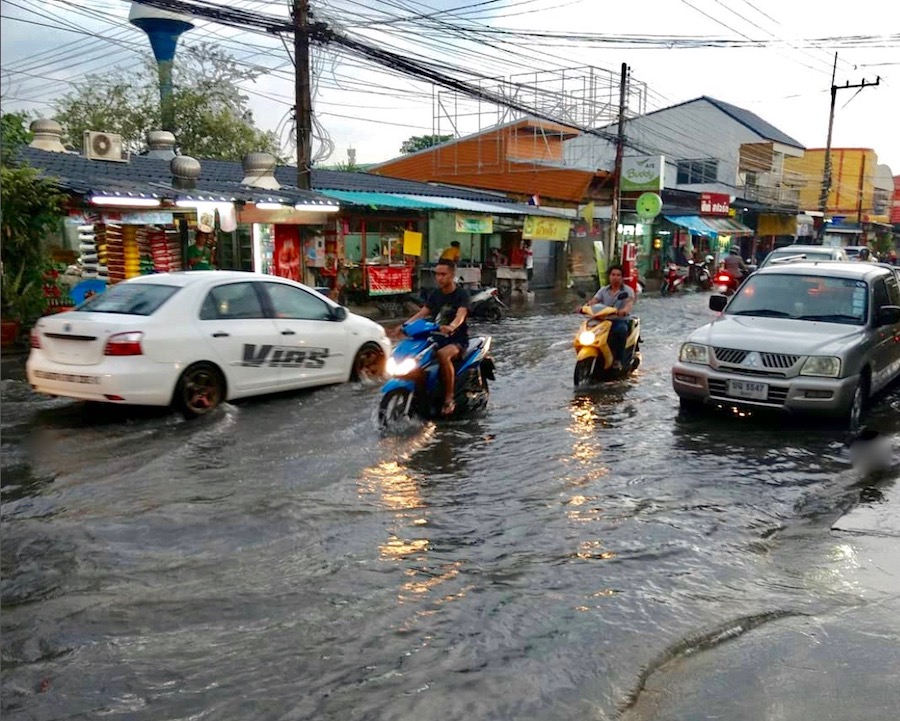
494	314
395	407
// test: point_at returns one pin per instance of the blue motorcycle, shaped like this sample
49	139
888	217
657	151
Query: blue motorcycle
415	387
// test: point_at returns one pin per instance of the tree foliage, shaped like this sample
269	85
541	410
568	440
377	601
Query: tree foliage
420	142
32	206
213	115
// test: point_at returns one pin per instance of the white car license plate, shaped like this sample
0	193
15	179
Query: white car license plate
748	389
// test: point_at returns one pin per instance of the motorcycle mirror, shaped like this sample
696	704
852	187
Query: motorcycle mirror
622	296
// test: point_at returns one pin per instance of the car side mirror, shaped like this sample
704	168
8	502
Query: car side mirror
717	302
888	315
339	313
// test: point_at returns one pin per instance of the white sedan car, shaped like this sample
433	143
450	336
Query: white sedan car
195	339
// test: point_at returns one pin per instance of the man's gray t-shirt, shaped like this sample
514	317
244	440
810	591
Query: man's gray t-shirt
607	296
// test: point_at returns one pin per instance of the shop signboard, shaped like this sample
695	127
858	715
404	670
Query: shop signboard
541	228
468	223
138	217
714	204
642	173
389	279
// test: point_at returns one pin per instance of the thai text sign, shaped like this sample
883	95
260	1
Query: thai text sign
539	228
474	223
642	172
714	204
385	280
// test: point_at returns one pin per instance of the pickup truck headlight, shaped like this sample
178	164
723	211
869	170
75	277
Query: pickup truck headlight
694	353
822	365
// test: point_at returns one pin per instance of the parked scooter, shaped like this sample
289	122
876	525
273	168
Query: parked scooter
673	280
702	273
594	359
415	387
484	302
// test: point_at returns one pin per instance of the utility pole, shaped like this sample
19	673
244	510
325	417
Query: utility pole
302	99
612	238
826	175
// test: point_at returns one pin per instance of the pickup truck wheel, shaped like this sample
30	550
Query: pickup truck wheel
859	404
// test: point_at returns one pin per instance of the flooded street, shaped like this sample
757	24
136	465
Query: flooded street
281	559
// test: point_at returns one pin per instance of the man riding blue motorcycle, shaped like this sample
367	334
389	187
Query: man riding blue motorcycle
448	306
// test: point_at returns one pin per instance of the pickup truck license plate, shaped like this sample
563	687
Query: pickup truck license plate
748	389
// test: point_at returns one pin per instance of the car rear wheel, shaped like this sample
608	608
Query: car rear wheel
368	363
200	389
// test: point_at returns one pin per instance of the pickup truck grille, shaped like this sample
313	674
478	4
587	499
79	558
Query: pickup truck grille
776	361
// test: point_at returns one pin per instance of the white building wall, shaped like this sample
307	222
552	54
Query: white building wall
695	131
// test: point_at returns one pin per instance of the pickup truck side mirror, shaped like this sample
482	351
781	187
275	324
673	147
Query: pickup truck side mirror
717	302
888	315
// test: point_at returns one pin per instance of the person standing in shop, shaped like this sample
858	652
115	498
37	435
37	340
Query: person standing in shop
201	255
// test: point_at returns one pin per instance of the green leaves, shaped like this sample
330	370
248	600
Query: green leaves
212	115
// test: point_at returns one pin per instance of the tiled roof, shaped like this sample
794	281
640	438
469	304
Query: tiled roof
146	176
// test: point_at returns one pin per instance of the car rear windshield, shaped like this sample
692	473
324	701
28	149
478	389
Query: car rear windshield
130	299
802	297
804	254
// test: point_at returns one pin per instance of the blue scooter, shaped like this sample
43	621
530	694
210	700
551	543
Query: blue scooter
415	387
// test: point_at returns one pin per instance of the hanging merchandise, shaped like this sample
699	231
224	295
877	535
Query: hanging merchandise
112	236
131	251
87	247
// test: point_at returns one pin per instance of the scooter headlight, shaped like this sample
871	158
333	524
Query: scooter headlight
587	337
400	368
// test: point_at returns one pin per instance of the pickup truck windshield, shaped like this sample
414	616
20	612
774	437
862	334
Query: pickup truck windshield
803	297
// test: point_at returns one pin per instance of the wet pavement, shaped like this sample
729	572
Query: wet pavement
565	556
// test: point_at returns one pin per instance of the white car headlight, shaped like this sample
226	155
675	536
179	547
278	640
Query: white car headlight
821	365
587	337
694	353
400	368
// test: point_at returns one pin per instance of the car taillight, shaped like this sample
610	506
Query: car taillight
124	344
34	338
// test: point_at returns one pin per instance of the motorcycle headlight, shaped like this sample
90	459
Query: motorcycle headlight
694	353
400	368
587	338
821	365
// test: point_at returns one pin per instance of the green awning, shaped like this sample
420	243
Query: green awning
380	200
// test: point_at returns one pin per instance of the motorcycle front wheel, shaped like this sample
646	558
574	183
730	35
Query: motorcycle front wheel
583	372
494	314
395	407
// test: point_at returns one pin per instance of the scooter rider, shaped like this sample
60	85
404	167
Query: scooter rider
448	306
734	265
609	295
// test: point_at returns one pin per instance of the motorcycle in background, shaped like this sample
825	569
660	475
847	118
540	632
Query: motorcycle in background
484	302
414	387
726	283
673	280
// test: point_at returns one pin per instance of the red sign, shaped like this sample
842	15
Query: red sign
384	280
714	204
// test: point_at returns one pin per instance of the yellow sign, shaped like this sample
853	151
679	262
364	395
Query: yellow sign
538	228
412	243
474	223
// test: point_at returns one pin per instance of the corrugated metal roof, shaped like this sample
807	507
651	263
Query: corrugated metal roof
384	200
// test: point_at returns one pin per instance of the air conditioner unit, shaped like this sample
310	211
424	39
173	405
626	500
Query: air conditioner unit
104	146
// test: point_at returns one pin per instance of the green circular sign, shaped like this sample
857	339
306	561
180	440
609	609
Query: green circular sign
648	205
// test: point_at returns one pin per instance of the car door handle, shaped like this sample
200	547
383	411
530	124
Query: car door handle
220	334
288	332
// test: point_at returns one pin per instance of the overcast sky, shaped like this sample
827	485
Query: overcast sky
373	111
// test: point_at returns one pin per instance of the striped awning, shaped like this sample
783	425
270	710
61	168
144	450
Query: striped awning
727	226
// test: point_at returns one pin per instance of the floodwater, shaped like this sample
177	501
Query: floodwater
281	559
